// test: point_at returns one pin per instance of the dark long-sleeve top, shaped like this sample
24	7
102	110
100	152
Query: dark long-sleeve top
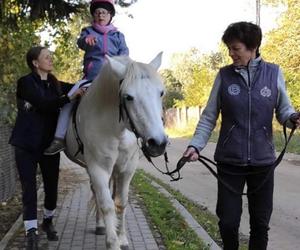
38	102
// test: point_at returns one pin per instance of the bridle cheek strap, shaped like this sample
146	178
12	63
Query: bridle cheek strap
123	107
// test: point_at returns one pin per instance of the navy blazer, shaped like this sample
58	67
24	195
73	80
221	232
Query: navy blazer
38	102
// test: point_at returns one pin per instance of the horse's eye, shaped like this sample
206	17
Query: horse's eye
162	93
128	97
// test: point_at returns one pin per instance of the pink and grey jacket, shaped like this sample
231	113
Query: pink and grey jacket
109	41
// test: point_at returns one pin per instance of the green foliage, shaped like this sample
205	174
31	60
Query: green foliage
196	94
204	73
221	58
184	67
17	34
11	11
171	98
173	87
170	80
282	47
196	72
67	56
54	11
13	47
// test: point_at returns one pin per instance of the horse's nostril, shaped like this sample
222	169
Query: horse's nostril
154	147
153	143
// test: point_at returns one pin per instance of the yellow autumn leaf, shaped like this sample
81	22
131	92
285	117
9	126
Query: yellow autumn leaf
10	45
177	242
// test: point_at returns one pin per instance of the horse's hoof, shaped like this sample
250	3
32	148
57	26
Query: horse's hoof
100	231
125	247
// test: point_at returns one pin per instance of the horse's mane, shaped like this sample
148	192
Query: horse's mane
136	70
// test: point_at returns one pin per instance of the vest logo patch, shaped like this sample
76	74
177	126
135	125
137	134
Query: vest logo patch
234	89
265	92
27	106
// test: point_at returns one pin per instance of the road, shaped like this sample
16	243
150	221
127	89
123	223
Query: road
200	186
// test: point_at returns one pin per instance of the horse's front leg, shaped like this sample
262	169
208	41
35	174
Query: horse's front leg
121	199
100	227
100	181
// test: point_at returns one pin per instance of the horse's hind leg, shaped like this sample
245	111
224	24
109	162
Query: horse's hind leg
100	181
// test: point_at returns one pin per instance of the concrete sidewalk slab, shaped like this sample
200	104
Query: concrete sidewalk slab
75	217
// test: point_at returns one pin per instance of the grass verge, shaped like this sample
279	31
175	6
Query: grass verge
157	212
174	231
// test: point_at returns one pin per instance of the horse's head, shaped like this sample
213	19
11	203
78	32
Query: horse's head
141	92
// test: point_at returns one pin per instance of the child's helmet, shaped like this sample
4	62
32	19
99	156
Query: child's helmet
105	4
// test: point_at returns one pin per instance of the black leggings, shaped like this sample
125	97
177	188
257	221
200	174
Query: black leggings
260	206
27	163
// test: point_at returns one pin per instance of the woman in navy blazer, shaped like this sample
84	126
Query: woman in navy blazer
39	99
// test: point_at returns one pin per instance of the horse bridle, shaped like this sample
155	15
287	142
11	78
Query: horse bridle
122	106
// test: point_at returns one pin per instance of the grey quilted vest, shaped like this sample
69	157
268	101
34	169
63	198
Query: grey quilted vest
247	113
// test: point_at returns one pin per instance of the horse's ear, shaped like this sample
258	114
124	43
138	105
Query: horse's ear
156	62
118	67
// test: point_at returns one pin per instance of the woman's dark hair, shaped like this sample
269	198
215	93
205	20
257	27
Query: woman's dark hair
33	54
245	32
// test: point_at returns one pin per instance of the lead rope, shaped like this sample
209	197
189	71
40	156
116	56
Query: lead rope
205	161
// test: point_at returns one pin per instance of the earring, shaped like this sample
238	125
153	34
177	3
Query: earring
35	64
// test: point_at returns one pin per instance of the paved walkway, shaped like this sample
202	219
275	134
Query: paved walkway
75	217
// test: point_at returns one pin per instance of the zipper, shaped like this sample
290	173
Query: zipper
249	115
267	137
248	85
228	134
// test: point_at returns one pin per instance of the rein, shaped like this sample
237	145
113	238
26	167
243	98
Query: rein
206	162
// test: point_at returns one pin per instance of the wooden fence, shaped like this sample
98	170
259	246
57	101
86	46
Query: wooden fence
180	117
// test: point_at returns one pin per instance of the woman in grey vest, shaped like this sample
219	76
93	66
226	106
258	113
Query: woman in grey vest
246	93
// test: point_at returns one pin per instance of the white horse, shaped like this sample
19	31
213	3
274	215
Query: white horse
132	91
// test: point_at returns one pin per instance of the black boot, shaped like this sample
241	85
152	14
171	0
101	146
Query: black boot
55	147
49	229
31	239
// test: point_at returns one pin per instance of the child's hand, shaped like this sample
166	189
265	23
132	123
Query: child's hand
91	40
78	93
